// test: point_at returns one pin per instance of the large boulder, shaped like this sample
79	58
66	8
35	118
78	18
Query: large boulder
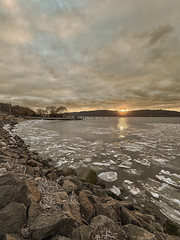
109	209
48	225
137	233
105	228
88	175
82	233
172	228
69	172
12	217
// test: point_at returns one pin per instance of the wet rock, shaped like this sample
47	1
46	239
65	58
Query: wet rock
12	217
69	172
49	225
172	228
88	175
137	233
68	186
105	228
86	206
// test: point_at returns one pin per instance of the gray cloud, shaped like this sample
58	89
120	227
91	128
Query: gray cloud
90	54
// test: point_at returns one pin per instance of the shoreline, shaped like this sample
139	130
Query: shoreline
53	201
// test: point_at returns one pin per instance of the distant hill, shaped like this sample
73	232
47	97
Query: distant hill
16	110
135	113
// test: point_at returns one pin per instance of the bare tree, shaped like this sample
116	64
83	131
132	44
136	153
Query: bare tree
41	112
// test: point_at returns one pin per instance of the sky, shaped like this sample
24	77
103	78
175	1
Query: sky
90	54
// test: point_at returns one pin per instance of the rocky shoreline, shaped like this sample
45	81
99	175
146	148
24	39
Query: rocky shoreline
39	201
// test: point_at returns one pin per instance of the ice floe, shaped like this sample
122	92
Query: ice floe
130	186
108	176
115	190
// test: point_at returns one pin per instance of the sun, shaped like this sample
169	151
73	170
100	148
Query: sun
123	110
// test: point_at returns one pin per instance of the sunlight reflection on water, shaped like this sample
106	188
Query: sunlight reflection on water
122	125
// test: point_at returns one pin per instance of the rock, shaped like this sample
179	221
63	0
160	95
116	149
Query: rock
52	176
8	179
49	225
69	172
45	163
34	191
105	228
108	209
58	237
86	206
34	163
68	186
172	228
7	193
126	204
82	233
12	217
25	232
137	233
169	237
73	209
128	217
33	212
157	226
88	175
100	192
12	237
61	197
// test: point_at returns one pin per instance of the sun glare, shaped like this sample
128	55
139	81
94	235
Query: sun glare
123	110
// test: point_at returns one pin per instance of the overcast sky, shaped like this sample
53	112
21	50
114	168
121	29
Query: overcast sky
90	54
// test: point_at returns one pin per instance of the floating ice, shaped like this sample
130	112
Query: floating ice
155	195
167	180
128	185
87	160
108	176
101	164
115	190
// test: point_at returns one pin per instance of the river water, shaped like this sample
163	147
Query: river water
142	154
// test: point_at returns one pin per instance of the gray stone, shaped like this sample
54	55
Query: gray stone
82	233
49	225
88	175
137	233
12	217
69	172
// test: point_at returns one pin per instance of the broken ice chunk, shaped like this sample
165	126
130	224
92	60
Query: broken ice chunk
108	176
